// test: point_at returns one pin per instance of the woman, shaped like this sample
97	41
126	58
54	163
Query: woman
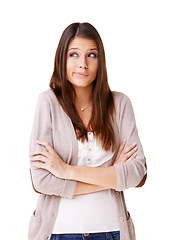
84	149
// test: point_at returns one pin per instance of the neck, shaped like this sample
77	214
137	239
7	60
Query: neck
83	97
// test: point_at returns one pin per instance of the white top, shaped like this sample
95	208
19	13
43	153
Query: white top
94	212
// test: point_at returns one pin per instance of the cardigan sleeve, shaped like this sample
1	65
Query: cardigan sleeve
43	181
129	174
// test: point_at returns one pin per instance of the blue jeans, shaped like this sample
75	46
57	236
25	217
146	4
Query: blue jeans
87	236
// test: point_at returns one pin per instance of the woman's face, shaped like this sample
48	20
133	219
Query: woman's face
82	62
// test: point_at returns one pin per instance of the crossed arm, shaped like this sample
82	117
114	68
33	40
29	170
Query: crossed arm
89	179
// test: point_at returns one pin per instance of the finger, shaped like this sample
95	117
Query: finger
40	152
129	148
38	158
129	154
125	151
123	144
46	145
121	147
39	165
132	157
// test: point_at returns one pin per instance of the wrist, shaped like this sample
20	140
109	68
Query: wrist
68	172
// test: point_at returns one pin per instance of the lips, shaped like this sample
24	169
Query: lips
79	74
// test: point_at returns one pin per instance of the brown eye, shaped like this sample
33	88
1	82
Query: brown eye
73	55
92	55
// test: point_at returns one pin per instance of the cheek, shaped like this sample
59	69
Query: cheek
69	68
71	64
95	68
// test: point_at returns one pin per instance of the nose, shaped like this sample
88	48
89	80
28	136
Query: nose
83	63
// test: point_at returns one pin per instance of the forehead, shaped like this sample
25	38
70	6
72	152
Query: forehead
82	43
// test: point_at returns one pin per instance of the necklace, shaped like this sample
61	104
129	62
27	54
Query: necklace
83	109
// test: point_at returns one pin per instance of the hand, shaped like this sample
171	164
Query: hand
127	154
48	160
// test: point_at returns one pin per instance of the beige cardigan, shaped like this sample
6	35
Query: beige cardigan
52	124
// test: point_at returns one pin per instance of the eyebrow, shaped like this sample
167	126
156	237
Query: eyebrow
78	49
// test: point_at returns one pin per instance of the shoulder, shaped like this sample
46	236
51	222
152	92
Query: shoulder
123	105
48	96
120	98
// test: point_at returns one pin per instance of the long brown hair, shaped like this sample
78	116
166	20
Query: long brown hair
101	122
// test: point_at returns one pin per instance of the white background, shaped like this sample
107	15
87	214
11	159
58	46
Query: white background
138	40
